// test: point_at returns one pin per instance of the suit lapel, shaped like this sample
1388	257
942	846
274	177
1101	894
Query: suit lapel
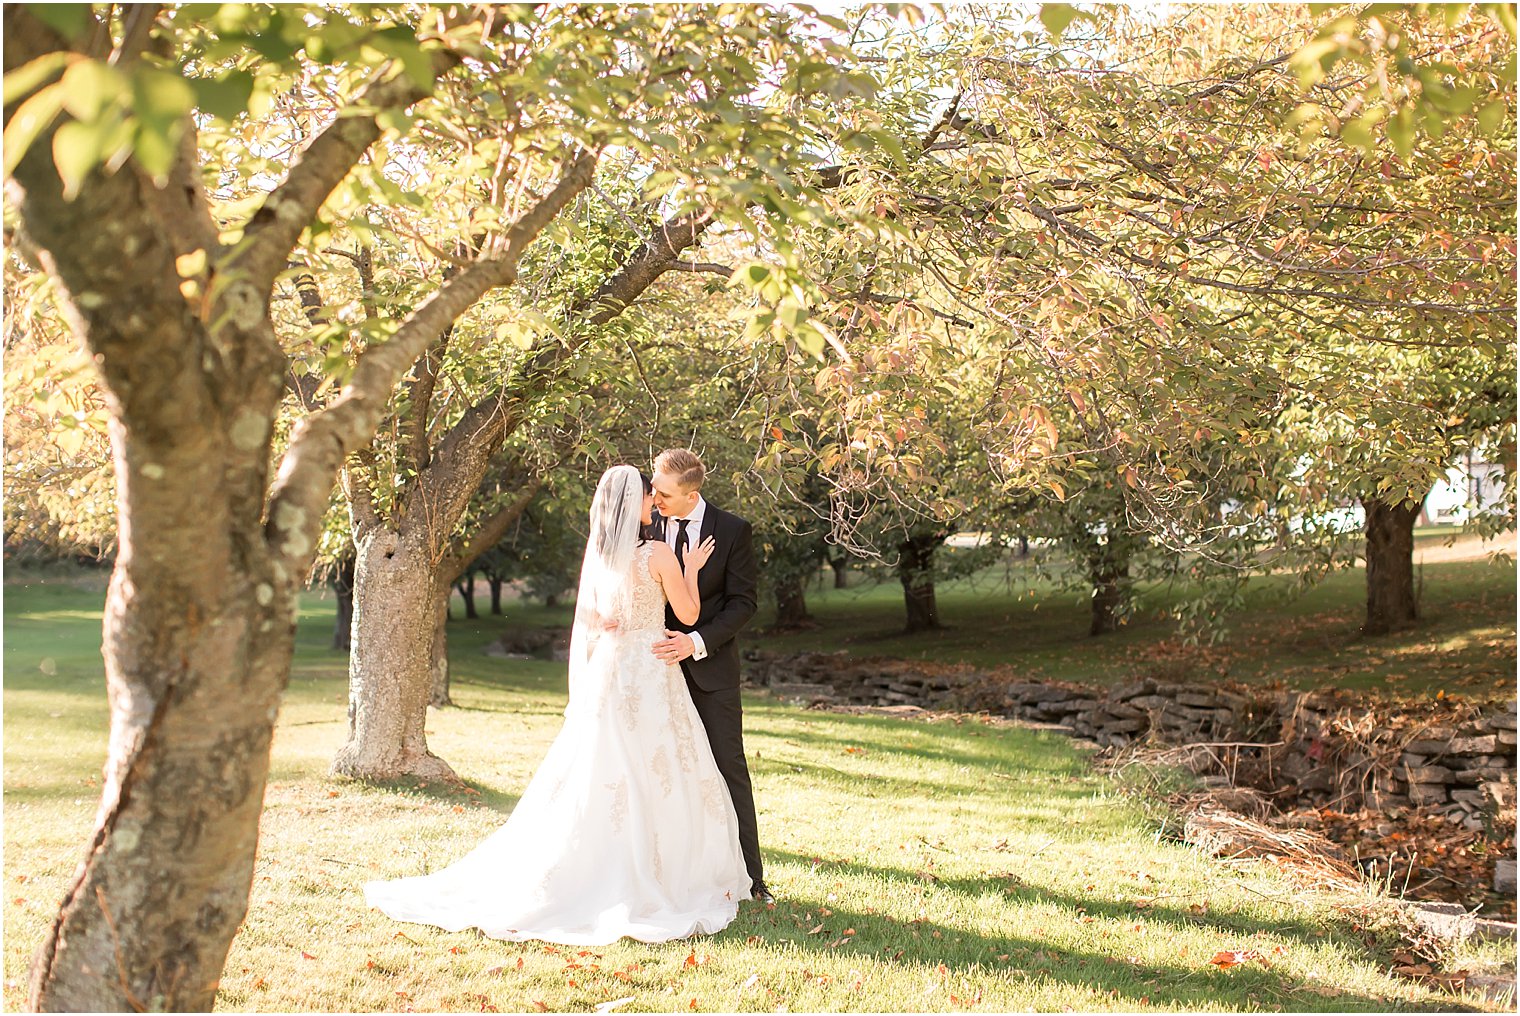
710	579
709	522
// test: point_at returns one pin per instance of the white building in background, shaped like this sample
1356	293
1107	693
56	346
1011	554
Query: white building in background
1471	486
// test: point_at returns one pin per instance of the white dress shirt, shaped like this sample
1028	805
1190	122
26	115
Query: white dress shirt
693	537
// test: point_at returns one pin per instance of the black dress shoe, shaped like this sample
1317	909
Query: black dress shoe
761	892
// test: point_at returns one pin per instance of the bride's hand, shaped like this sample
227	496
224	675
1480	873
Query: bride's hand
697	556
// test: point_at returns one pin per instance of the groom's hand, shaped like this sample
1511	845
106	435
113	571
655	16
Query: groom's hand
675	647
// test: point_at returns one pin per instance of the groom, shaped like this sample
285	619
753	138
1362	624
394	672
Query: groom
707	652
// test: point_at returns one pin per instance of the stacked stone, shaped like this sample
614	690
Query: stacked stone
834	678
905	687
1466	772
1177	713
1065	705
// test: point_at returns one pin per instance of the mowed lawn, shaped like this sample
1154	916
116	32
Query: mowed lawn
1007	619
920	866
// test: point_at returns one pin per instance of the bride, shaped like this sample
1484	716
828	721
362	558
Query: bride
627	828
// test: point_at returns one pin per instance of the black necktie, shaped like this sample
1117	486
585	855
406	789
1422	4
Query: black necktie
681	541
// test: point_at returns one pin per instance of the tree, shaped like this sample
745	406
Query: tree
104	177
702	151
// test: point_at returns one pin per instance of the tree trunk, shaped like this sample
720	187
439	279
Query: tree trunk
199	621
439	696
467	592
390	671
495	584
915	570
197	639
1109	581
343	586
791	605
841	566
1391	602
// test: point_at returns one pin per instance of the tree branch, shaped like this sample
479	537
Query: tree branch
490	532
321	441
652	259
702	266
277	225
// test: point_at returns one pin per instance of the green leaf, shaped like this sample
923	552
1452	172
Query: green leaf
1401	132
68	20
89	87
30	76
160	97
1056	18
156	146
401	43
1504	14
224	97
1313	59
792	316
397	120
753	274
1491	116
31	119
810	340
78	148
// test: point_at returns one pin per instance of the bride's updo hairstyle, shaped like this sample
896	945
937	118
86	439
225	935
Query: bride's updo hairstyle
617	529
616	515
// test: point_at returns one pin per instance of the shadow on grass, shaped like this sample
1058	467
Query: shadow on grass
926	943
438	791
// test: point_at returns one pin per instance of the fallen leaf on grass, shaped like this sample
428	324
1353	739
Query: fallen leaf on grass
307	956
614	1004
1236	957
815	929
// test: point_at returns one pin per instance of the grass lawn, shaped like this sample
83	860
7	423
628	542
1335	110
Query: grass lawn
1003	618
920	866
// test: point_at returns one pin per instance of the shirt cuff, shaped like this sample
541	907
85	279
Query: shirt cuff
698	647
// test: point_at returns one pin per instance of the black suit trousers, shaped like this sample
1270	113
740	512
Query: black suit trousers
723	716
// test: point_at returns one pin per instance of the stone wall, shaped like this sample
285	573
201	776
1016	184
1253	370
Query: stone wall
1332	749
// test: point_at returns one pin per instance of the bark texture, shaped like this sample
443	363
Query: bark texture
791	604
466	587
390	669
438	696
1110	581
199	619
1391	600
915	570
343	589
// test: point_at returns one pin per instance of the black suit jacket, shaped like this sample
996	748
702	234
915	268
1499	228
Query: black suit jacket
726	586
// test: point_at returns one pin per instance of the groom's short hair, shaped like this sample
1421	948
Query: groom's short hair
683	464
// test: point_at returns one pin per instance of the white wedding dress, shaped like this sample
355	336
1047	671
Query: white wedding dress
626	829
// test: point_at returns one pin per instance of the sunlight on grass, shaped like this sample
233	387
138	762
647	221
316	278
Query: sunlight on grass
920	866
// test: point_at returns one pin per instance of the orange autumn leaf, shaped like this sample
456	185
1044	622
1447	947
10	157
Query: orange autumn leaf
1234	958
